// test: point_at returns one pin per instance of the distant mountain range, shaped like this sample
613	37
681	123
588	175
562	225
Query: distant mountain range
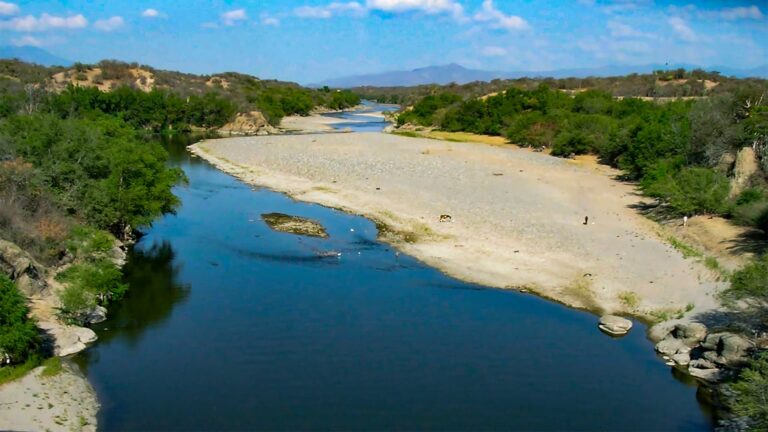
32	54
453	72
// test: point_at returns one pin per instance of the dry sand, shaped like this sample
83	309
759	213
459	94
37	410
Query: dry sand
517	216
64	402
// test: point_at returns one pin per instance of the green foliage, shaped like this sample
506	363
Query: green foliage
750	284
571	143
691	190
97	168
19	339
13	372
89	243
156	110
751	393
751	208
90	284
51	367
424	112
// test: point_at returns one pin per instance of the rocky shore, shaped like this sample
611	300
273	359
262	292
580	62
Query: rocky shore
65	401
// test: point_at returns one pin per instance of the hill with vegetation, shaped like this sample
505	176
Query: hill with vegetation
152	91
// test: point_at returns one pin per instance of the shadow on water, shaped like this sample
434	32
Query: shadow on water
152	274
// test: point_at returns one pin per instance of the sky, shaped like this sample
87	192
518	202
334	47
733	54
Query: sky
311	40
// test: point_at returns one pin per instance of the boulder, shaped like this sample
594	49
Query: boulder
691	333
23	269
66	340
727	349
702	364
744	168
96	315
711	375
683	359
660	331
671	346
294	225
725	163
249	123
614	325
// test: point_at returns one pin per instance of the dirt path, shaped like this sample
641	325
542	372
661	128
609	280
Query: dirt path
517	216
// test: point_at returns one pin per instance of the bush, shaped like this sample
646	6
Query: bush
690	190
571	143
751	393
89	243
19	339
89	284
750	284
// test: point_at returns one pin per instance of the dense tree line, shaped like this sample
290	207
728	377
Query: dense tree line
659	84
673	149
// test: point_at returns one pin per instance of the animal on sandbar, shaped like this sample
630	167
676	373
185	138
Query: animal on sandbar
445	218
586	220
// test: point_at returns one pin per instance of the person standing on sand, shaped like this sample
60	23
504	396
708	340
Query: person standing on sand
586	220
685	220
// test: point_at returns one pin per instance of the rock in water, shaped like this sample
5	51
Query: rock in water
294	225
614	325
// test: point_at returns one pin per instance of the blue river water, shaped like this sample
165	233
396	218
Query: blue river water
229	325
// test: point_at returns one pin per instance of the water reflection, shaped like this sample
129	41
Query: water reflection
153	271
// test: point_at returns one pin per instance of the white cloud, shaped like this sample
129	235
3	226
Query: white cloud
432	7
336	8
232	17
737	13
497	19
27	40
312	12
8	8
109	24
683	30
729	14
30	23
622	30
494	51
152	13
269	20
620	6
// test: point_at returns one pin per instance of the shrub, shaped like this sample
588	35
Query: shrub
89	284
571	143
751	393
19	339
690	190
750	284
89	243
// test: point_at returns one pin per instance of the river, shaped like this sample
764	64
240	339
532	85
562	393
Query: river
229	325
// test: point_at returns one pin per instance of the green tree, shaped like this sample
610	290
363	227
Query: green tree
751	393
690	190
19	338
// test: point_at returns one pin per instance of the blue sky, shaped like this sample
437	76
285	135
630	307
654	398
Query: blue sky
309	40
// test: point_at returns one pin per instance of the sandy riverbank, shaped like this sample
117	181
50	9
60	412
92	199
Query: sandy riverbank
517	216
317	123
63	402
